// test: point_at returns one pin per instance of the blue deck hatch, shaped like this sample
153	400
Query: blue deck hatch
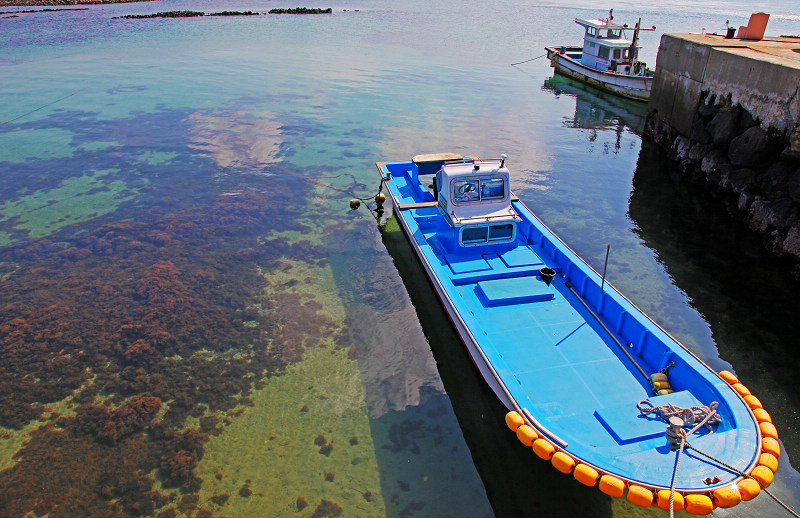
496	292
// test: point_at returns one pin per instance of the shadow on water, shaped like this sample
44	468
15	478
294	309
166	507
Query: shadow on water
745	294
517	482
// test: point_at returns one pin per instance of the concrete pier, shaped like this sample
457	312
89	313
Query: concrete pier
728	111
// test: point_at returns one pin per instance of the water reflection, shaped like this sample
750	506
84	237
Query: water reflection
745	294
598	112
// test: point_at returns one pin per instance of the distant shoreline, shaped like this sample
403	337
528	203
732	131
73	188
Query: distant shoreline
30	3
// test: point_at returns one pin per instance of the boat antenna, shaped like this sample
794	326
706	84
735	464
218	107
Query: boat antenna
633	51
602	284
610	14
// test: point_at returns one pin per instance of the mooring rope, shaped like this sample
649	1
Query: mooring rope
521	62
742	473
703	416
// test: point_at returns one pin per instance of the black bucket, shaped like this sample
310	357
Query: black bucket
547	274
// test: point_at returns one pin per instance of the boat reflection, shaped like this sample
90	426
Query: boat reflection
596	111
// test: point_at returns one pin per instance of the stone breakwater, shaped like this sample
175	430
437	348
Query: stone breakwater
728	112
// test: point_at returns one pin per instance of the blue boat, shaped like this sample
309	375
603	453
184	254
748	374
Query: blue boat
591	383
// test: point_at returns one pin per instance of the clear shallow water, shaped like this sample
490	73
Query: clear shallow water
229	147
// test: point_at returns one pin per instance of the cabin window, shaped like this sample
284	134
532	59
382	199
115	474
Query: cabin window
591	31
592	44
613	33
602	52
474	235
465	191
492	189
501	232
627	54
617	53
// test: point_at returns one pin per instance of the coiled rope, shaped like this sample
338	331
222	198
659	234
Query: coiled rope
703	416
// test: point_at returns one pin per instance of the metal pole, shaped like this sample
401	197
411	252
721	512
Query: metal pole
608	250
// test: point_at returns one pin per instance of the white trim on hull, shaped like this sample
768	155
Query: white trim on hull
477	355
631	87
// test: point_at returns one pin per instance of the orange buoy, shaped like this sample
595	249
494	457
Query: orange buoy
514	420
768	430
763	475
662	500
699	504
611	485
729	377
753	402
543	449
586	475
727	496
563	462
741	389
748	488
640	496
769	460
762	416
526	435
771	445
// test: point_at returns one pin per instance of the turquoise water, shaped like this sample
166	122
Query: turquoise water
229	148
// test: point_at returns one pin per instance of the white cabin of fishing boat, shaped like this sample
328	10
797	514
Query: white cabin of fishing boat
605	47
475	198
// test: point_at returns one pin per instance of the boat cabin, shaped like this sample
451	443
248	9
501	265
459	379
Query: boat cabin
605	47
475	198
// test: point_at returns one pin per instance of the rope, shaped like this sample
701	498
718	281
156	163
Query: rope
521	62
742	473
703	416
41	107
675	477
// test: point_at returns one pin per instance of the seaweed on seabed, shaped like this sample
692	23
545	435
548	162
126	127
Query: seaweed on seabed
119	311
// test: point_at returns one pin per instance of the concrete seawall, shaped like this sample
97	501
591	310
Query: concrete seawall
728	111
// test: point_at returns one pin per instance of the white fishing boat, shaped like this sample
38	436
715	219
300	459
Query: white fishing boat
607	60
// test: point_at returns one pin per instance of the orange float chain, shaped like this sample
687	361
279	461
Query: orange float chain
762	474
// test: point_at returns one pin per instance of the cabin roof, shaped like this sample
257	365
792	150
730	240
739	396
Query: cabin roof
600	24
499	208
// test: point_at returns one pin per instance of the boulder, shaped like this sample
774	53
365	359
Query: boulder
760	215
743	180
724	127
793	186
699	133
773	181
749	148
791	245
745	200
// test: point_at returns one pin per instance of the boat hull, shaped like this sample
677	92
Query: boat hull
548	360
629	86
